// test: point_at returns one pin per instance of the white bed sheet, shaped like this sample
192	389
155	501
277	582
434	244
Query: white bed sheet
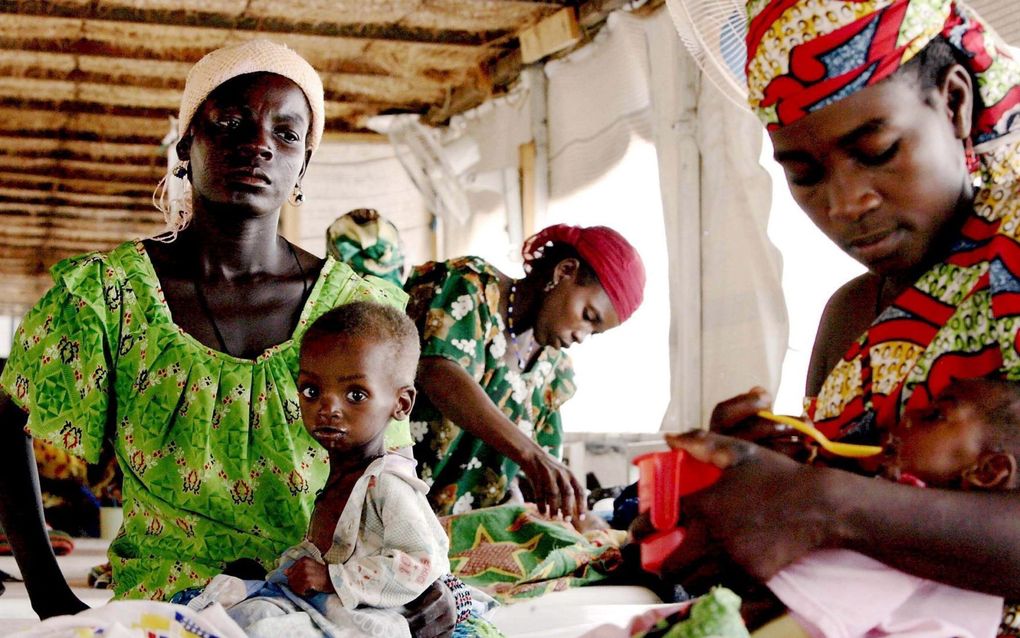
565	614
573	612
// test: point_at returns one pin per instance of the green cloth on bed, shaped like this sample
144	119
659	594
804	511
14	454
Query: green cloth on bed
217	463
512	553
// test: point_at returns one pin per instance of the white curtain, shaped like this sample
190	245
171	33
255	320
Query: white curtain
635	84
728	326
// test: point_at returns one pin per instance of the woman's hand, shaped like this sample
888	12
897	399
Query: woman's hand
433	614
307	576
738	417
557	491
764	512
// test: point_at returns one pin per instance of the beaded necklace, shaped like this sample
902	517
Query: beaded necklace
513	334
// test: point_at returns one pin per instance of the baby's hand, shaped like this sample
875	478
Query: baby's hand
307	577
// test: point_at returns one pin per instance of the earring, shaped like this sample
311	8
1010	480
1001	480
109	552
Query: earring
549	286
180	170
296	196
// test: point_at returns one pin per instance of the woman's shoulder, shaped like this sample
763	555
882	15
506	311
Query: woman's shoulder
97	276
338	283
468	266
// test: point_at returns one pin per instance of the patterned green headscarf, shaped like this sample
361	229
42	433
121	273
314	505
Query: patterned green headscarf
368	243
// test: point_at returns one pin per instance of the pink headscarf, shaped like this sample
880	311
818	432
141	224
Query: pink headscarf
615	262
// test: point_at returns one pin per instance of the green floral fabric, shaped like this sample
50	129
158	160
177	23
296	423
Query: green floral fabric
512	553
455	305
217	464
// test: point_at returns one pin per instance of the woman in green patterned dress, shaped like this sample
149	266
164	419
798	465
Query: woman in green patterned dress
493	375
181	351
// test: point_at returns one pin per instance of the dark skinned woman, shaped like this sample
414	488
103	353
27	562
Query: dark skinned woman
493	375
181	352
896	124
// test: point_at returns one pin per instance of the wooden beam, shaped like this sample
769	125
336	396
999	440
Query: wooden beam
109	153
29	213
55	184
526	161
497	74
592	13
27	202
42	233
87	170
554	33
83	106
493	78
138	13
84	127
418	89
50	253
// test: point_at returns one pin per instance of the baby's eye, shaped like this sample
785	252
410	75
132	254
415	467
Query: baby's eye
288	135
357	396
309	392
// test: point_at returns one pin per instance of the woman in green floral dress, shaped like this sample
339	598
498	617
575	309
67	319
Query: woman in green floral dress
181	351
493	374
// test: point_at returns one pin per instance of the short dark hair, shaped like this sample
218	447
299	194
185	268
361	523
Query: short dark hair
543	266
931	64
376	322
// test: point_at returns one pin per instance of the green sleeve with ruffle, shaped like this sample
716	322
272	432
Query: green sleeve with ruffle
62	355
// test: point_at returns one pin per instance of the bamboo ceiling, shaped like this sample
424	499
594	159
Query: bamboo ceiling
87	88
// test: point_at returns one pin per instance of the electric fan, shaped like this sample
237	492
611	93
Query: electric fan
713	32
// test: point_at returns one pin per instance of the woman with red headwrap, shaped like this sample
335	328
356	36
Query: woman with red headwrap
896	124
493	375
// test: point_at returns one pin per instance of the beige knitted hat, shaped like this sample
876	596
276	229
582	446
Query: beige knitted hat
253	56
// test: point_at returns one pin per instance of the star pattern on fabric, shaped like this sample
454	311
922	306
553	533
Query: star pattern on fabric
487	555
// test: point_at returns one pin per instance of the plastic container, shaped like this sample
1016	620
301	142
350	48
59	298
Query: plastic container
664	478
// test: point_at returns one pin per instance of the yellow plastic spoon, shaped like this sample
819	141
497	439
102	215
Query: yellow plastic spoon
852	450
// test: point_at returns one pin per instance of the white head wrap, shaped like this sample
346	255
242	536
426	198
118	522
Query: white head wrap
217	67
253	56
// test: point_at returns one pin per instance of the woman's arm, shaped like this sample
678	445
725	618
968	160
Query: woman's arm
459	397
846	316
21	516
767	511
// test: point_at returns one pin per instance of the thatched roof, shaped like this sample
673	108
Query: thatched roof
87	88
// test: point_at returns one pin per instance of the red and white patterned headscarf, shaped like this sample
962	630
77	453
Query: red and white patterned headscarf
803	55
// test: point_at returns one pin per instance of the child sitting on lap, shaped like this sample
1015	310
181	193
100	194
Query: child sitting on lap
373	543
969	439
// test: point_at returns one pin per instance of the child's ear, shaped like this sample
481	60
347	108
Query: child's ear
992	471
405	401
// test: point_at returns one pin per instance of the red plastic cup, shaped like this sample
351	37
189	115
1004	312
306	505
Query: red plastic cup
664	478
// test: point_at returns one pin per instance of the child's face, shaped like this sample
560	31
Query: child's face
938	443
349	393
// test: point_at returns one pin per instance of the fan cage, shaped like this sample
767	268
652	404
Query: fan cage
714	32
